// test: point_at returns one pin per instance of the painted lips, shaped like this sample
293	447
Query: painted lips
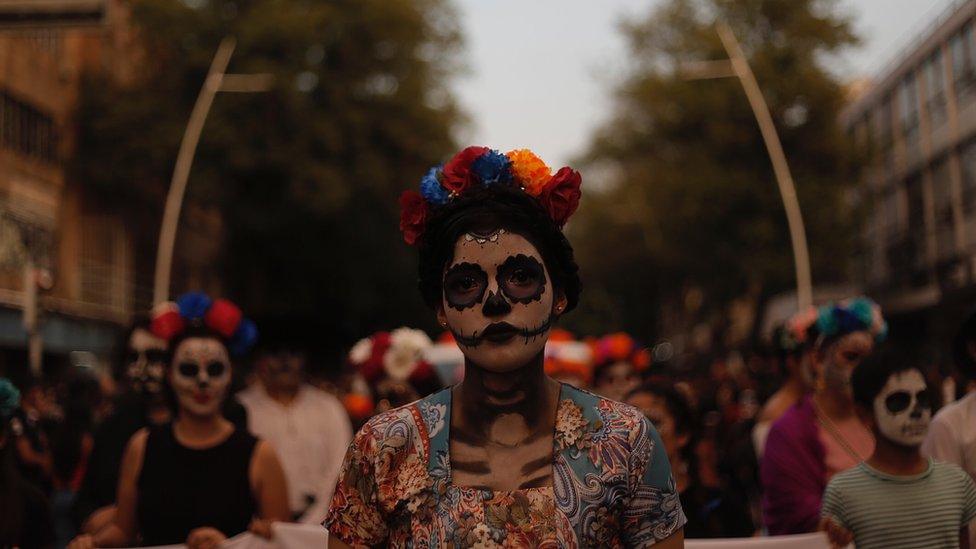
201	398
499	332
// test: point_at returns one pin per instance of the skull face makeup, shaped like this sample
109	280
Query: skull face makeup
842	357
145	362
902	409
200	375
498	300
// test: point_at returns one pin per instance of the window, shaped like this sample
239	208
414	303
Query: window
26	130
908	112
935	99
885	137
967	157
963	62
942	198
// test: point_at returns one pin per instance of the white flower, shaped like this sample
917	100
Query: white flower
361	351
406	349
410	338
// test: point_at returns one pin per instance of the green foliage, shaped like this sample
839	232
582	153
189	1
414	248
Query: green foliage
306	175
691	199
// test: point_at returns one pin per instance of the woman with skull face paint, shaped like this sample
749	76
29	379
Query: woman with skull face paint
820	435
141	368
897	498
508	456
200	479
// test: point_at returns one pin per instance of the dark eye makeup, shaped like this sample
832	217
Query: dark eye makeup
465	285
522	279
899	401
214	368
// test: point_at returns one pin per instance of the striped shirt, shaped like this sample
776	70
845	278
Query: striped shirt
881	510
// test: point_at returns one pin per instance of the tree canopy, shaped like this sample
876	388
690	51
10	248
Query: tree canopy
689	200
305	176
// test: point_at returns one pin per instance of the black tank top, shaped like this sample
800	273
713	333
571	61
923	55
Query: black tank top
181	489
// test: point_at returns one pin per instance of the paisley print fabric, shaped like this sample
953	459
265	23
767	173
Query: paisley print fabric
612	484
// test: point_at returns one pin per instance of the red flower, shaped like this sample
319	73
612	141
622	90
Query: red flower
166	321
413	216
422	372
457	174
561	195
372	369
223	317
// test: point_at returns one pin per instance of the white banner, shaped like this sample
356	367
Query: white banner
304	536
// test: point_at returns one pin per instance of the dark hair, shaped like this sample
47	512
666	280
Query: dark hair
684	416
871	375
960	344
489	208
139	322
192	331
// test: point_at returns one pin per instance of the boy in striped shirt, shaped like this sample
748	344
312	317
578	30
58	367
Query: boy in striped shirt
897	498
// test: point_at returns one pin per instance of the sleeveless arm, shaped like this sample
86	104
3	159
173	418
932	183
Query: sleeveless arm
122	531
268	483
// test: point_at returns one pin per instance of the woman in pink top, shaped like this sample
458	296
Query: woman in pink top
820	436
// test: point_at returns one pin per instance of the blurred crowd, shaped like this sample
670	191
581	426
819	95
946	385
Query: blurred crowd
753	438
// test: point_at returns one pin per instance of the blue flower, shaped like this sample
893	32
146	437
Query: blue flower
193	305
863	309
826	322
244	338
492	168
9	398
432	190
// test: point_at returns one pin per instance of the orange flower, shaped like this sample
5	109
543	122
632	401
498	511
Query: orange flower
529	170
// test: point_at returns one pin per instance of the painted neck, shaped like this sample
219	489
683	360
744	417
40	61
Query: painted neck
896	459
527	392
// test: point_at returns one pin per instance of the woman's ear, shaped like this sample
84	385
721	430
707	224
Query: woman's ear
441	316
559	304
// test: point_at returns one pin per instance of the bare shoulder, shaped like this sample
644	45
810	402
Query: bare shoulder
137	442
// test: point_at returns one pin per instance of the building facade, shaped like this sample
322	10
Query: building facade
918	121
91	264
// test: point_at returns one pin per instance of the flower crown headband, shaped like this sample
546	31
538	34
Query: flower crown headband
171	319
558	193
852	315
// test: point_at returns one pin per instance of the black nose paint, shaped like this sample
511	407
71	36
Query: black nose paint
496	305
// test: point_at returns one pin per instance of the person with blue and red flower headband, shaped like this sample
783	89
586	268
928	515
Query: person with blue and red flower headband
508	456
200	479
821	434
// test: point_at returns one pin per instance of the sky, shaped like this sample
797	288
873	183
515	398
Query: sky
541	72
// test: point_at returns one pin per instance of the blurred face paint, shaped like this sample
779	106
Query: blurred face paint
145	362
497	300
842	357
200	375
902	408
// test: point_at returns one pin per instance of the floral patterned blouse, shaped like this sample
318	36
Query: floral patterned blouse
612	484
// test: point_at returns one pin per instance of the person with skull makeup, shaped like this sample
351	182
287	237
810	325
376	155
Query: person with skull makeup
201	478
897	497
141	370
820	435
508	455
141	367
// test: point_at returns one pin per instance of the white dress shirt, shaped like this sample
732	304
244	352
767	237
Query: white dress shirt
310	436
952	438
